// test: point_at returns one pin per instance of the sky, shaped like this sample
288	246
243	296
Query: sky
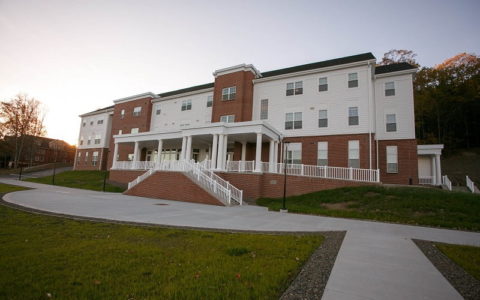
78	56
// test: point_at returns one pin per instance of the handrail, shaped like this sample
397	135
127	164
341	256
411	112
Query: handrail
470	184
446	182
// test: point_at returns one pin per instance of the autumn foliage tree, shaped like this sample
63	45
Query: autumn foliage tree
20	119
399	56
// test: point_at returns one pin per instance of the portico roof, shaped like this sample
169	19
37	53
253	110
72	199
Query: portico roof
245	131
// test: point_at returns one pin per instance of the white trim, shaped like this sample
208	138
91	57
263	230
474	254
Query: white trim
313	71
93	113
397	73
136	97
237	68
435	149
160	99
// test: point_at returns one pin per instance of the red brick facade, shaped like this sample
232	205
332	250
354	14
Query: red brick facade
129	121
407	162
242	105
84	162
172	186
255	186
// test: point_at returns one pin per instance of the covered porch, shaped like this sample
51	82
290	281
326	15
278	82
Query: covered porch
429	166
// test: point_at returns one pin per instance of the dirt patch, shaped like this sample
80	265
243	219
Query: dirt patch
339	205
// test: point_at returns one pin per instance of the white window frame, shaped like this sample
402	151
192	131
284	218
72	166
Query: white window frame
137	111
294	88
264	109
353	118
122	114
94	158
100	122
186	104
86	156
209	100
323	118
293	120
323	84
97	139
352	80
389	88
322	154
229	93
134	130
391	123
392	159
158	111
294	153
227	118
354	154
81	141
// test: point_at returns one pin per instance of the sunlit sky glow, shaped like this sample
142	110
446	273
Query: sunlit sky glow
77	56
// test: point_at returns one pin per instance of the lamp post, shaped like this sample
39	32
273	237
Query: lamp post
284	208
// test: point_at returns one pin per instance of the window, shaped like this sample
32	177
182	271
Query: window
353	116
84	123
120	132
227	118
134	130
91	123
88	141
295	88
294	153
186	105
99	122
81	141
79	154
137	111
158	111
352	80
122	114
209	101
94	158
229	93
323	84
392	159
322	118
264	109
293	120
322	154
390	88
86	156
391	123
97	139
353	154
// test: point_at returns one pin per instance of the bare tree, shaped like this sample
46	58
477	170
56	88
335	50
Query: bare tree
397	56
19	118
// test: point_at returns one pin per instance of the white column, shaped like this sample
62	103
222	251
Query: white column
439	169
244	151
188	153
225	150
258	153
275	156
115	153
221	140
135	155
184	146
434	171
159	151
214	151
271	155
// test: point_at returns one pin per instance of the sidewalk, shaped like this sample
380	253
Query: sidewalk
376	261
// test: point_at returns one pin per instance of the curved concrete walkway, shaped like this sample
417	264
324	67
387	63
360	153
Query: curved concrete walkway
376	261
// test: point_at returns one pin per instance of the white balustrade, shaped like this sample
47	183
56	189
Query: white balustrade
470	184
446	182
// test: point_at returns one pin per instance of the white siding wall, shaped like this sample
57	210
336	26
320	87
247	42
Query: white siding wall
336	100
172	117
95	129
401	105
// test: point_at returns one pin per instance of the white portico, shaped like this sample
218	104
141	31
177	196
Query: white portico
429	167
214	142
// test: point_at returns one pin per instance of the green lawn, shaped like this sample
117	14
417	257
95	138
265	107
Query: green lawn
42	256
410	205
467	257
89	180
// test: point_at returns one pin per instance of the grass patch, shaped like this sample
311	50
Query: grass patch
67	259
88	180
409	205
467	257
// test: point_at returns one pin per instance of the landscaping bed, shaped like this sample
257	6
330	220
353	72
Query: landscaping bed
408	205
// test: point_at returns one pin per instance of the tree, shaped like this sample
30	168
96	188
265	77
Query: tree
20	118
398	56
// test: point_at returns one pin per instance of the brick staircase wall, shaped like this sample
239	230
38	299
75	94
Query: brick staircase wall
172	186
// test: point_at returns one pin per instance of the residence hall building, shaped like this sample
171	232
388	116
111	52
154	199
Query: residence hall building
332	121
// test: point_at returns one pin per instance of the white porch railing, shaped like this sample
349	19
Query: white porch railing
470	184
240	166
446	182
425	180
220	188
